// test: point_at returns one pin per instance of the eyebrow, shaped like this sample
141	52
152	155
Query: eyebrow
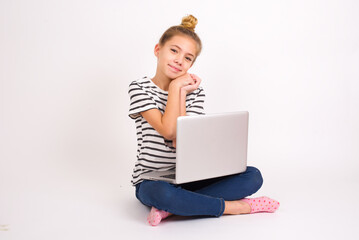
181	49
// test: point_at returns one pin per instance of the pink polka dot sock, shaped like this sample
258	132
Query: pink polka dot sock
155	216
262	204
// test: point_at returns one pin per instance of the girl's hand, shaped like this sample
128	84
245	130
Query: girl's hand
192	86
182	81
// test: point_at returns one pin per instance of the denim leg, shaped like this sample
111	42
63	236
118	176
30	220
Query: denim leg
236	186
176	200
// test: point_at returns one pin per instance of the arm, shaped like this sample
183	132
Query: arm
182	103
183	94
166	123
186	90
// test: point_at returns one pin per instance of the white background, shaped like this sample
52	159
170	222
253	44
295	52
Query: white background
67	142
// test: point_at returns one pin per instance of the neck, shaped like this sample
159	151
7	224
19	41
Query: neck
161	81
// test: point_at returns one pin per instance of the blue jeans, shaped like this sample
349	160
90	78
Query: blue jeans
201	198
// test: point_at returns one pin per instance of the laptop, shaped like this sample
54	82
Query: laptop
208	146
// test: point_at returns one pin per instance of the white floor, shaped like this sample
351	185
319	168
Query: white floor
324	207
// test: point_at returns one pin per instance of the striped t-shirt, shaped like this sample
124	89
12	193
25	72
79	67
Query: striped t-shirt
154	152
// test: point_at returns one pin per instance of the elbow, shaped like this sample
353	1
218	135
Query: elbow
169	134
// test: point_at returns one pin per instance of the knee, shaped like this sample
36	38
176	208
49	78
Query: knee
156	193
256	177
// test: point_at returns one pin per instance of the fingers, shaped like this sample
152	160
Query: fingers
196	79
189	82
185	80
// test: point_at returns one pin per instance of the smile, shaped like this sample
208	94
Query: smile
174	68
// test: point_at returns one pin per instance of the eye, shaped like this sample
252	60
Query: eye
189	59
173	50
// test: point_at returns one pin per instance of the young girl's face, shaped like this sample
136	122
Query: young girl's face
176	56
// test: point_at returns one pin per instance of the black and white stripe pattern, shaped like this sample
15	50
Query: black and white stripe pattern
154	152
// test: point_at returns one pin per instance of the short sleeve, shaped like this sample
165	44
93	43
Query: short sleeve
195	102
140	100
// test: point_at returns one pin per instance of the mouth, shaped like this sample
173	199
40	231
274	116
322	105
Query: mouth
174	68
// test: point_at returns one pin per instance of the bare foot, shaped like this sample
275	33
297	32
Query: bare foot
236	207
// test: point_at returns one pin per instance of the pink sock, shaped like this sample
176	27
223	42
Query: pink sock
155	216
262	204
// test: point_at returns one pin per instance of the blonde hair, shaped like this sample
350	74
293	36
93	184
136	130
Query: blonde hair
185	28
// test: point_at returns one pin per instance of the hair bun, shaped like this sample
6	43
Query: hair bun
189	22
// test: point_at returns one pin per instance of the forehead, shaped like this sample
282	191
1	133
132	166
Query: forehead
186	44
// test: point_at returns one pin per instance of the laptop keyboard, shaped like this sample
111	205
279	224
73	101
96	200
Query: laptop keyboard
171	176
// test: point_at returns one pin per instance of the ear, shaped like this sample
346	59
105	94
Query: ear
157	49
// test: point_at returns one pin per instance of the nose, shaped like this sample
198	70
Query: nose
179	60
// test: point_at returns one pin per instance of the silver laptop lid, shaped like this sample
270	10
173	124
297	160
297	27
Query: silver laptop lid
211	145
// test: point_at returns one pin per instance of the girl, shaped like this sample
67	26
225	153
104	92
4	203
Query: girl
155	105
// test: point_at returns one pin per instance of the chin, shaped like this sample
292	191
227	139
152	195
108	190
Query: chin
173	76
